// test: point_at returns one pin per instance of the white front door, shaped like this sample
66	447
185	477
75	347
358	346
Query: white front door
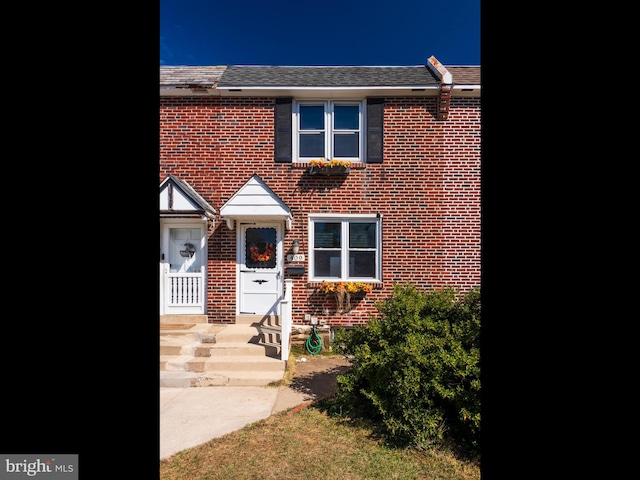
183	266
261	264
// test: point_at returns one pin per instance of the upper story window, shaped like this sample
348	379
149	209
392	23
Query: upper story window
329	130
343	130
345	248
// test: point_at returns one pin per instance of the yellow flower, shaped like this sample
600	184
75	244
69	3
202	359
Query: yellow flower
322	163
326	287
342	287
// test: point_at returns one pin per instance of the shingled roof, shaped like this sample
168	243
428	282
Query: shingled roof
182	75
238	76
465	75
339	76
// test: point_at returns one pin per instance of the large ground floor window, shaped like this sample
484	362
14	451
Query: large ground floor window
345	247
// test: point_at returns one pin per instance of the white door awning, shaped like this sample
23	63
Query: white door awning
179	199
255	201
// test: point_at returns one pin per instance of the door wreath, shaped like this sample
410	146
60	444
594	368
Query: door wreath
261	256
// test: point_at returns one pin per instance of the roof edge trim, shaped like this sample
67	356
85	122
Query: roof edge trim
367	87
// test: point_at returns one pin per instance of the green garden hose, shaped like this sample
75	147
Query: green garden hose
313	343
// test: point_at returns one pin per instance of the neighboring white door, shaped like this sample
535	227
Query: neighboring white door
183	269
261	264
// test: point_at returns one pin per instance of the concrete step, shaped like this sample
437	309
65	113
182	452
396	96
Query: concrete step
177	379
248	334
174	350
210	379
183	319
236	379
176	347
237	333
235	363
269	320
179	338
206	355
174	362
178	329
245	349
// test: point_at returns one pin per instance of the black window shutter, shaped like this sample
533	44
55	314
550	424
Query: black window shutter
375	116
283	130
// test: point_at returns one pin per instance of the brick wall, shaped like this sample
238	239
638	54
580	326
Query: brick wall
427	189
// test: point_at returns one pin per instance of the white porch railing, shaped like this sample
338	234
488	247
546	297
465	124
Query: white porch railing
287	322
185	289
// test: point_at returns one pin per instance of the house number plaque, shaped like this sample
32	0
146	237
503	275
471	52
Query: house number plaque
298	257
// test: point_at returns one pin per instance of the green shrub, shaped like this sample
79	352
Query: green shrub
416	368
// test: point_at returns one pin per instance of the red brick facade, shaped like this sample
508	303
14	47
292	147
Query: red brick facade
427	189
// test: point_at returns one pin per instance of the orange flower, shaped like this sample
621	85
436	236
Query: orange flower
322	163
326	287
343	287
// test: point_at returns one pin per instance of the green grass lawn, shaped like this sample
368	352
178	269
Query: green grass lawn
309	444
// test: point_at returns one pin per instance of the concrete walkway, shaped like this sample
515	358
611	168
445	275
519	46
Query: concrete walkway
194	415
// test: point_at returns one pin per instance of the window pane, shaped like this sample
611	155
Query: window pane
260	248
327	264
184	253
346	145
346	117
326	235
312	145
362	235
362	264
311	117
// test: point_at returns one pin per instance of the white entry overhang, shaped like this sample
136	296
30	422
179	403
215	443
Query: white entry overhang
179	199
255	201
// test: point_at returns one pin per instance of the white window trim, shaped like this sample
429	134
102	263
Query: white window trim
345	246
329	131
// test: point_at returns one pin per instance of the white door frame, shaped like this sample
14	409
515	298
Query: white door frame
246	275
183	292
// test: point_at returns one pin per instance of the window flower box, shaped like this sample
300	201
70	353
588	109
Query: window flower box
331	167
343	291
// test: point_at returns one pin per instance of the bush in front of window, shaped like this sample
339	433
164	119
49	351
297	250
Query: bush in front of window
416	369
